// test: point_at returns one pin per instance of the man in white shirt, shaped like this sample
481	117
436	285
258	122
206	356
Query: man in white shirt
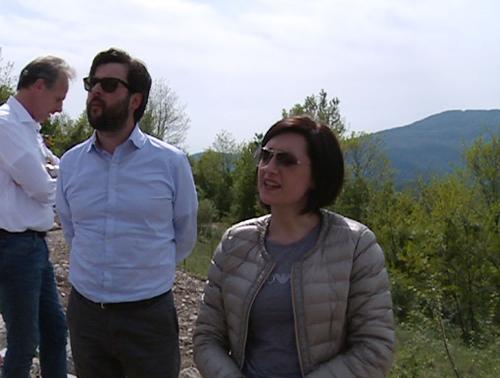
28	293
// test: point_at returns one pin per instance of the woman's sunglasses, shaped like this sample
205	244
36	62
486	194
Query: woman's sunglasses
108	84
282	158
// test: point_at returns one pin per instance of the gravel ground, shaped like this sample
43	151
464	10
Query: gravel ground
187	292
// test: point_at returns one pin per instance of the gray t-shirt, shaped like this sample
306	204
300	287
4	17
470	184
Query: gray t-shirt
271	349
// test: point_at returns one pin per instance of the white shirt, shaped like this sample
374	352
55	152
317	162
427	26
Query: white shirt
27	192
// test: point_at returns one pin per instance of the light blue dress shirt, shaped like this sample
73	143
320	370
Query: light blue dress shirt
129	217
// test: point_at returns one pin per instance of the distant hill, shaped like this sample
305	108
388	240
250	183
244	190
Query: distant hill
196	156
435	145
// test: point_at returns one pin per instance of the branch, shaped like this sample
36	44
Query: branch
445	342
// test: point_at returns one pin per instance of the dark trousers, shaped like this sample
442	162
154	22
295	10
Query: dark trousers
133	340
29	302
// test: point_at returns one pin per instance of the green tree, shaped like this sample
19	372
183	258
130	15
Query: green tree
207	214
442	253
165	118
61	132
212	172
213	181
226	145
320	108
483	166
483	163
391	216
456	247
368	172
245	194
6	80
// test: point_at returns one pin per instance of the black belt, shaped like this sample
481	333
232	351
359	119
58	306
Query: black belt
6	234
122	305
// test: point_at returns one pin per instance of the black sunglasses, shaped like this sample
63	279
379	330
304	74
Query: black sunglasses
283	158
108	84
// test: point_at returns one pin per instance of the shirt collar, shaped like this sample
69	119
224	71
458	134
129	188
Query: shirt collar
91	143
21	113
137	138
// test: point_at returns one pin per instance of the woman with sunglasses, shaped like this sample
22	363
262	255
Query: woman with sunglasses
302	292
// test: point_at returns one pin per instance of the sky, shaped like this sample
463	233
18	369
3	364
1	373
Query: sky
236	64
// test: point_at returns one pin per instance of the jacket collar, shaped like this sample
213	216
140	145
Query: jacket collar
263	222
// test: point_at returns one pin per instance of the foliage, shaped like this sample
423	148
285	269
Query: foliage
213	173
206	216
320	108
213	181
229	150
6	80
199	260
420	353
483	162
483	167
458	255
225	143
441	244
164	117
61	132
244	190
367	173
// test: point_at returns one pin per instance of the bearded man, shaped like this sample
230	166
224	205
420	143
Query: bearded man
127	203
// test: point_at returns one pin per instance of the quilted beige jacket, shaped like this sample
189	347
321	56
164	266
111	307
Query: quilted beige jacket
341	300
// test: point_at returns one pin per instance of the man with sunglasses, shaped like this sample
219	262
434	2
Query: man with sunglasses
29	300
128	206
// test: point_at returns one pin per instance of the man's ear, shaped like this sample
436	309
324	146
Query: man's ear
39	84
136	101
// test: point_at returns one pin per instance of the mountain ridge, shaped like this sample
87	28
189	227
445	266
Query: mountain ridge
435	144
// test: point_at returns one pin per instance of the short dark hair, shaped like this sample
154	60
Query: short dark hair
323	149
138	76
47	68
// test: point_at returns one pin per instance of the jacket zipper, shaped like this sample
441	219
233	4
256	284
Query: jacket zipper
295	322
247	314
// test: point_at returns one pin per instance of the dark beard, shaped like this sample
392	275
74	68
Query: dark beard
111	118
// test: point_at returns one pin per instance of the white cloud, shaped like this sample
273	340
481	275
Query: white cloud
236	64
